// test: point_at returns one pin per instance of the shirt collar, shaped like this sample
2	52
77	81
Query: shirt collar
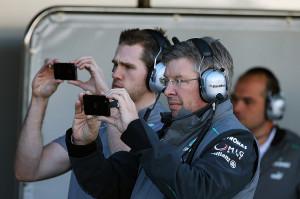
265	146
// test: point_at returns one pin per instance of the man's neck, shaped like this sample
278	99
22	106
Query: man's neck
263	132
145	101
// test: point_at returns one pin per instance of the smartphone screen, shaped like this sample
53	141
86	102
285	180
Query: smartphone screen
96	105
65	71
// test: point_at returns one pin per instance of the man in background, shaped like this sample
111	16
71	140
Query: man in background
258	104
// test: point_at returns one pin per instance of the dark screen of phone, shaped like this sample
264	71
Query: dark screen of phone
96	105
65	71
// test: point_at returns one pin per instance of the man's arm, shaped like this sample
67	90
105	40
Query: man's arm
111	178
114	141
100	177
33	160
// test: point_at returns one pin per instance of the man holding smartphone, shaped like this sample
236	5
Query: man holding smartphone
133	61
204	152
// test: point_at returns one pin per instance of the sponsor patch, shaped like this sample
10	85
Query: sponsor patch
231	162
281	164
276	176
237	142
221	147
229	150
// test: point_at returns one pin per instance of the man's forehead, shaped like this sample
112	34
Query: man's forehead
250	87
129	51
180	67
128	54
254	80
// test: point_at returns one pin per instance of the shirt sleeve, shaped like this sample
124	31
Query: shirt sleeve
61	141
111	178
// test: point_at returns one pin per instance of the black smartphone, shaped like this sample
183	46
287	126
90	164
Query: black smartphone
65	71
96	105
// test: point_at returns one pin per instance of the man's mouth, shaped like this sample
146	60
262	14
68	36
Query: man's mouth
117	85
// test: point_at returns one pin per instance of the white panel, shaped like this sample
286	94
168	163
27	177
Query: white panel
230	4
18	13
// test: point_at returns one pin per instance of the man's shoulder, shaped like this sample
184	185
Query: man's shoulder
286	142
237	138
154	120
229	123
160	107
289	135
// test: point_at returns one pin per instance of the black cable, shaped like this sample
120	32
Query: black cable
148	111
192	150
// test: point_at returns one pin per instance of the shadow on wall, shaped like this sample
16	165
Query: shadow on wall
11	63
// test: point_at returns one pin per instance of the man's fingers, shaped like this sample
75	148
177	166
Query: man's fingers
85	62
78	108
75	82
79	104
108	120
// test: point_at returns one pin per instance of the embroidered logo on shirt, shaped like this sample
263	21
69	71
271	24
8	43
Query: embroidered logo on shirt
237	142
231	162
282	164
276	176
221	147
150	124
229	149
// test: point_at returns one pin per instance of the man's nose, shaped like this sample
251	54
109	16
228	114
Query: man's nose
117	72
170	90
237	105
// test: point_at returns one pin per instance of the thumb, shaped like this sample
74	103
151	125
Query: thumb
78	107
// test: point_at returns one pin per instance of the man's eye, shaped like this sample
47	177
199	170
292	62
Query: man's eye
115	65
178	81
234	98
248	101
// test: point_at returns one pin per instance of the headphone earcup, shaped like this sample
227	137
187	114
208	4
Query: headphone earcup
155	78
275	107
212	83
154	75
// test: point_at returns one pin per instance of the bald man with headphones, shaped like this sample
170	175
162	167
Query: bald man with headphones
258	104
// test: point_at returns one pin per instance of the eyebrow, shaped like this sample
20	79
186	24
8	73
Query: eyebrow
122	63
177	76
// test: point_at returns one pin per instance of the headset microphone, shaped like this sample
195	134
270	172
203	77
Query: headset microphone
148	111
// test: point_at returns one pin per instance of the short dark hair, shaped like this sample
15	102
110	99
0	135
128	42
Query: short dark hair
144	38
272	81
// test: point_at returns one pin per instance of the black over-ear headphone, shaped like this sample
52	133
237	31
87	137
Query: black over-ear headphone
153	78
212	81
275	103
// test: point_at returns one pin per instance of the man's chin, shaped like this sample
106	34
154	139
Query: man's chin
174	112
